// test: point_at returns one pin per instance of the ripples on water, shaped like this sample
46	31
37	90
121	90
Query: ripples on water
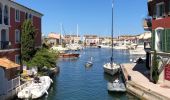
75	82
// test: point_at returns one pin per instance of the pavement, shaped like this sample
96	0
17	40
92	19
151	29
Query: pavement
140	76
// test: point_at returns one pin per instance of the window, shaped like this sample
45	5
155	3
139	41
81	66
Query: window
17	36
30	16
6	15
17	59
160	10
0	13
26	15
17	15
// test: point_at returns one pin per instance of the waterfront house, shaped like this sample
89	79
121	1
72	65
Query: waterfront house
72	39
105	40
10	80
159	10
54	39
12	16
126	39
92	40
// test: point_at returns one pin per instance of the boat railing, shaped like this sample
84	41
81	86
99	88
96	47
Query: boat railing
12	84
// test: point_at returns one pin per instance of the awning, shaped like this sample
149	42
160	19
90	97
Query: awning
8	64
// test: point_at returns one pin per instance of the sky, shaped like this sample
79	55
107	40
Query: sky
91	16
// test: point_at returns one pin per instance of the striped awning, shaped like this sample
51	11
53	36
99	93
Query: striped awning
8	64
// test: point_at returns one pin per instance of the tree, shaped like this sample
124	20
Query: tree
43	57
155	74
27	41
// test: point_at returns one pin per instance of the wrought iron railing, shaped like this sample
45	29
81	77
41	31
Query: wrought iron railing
147	45
4	45
12	84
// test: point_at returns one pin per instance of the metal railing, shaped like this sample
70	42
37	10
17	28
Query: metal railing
4	45
12	84
147	45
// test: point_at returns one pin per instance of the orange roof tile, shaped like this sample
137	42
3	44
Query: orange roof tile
8	64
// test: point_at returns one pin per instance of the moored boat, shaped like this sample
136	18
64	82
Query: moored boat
89	64
116	86
111	69
69	55
36	89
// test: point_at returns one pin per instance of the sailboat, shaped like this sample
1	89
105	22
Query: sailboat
111	67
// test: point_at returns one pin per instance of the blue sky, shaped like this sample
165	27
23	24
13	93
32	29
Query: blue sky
92	16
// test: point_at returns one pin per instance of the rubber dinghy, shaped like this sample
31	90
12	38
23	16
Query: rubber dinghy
36	89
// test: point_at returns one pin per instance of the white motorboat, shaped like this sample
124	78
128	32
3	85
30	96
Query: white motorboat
59	49
137	50
36	89
116	86
111	69
120	47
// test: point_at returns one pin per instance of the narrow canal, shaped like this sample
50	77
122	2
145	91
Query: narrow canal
75	82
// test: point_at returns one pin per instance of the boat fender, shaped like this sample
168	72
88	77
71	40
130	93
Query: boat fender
46	92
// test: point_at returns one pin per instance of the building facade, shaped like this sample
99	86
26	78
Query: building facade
72	39
159	10
91	40
12	16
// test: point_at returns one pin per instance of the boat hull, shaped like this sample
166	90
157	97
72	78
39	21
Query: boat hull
88	64
65	55
109	70
36	90
114	87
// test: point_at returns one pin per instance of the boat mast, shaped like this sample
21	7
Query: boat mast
77	30
61	33
112	36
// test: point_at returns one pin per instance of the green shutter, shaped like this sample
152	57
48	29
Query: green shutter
153	40
162	36
168	40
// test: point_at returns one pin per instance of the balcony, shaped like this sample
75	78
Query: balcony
147	24
4	45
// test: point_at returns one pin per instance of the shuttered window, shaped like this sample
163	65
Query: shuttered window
168	40
160	10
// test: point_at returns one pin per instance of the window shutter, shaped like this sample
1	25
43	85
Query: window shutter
168	40
163	40
153	40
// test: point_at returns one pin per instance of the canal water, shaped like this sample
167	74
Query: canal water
76	82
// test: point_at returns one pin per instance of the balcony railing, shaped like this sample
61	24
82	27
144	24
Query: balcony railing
12	84
4	45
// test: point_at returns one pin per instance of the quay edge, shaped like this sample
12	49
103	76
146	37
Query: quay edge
136	89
